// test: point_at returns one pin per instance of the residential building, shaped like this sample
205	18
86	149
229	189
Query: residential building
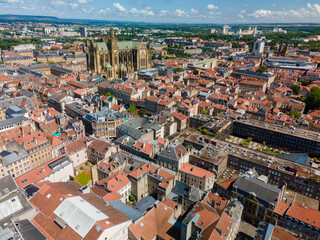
119	183
212	218
139	180
77	151
14	163
103	124
298	218
197	177
59	169
181	121
173	157
157	223
99	150
36	145
65	211
141	129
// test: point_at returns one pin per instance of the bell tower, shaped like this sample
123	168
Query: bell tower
113	48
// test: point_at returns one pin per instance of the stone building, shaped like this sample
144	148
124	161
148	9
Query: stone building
112	59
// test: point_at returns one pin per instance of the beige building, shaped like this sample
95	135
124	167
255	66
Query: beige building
14	163
38	147
77	151
196	177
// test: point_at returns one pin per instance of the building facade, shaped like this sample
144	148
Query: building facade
113	59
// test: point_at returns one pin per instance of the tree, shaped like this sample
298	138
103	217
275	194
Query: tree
261	69
142	112
175	70
313	100
295	88
132	109
296	115
204	111
108	94
249	139
264	143
230	58
305	83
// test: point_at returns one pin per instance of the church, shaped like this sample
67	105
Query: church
112	59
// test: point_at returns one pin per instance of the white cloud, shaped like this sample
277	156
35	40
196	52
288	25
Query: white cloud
180	13
211	6
105	11
119	7
146	11
274	5
243	11
84	1
307	13
58	2
163	12
73	5
194	11
28	8
12	1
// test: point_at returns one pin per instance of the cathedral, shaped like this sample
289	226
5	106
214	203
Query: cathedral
112	59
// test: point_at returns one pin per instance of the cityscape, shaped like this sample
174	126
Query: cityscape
159	120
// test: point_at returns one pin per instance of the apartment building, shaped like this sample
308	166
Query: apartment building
298	218
197	177
103	124
77	151
173	156
298	140
36	145
14	163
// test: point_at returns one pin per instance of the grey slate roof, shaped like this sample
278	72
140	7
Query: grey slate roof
29	231
11	157
261	189
131	128
7	184
131	213
145	203
11	121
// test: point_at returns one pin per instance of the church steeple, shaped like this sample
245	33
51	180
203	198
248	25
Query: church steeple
112	32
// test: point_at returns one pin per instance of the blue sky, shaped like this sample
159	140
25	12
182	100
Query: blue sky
179	11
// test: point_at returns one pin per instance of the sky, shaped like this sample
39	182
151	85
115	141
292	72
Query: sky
172	11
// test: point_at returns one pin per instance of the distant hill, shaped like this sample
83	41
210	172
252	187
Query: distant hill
12	17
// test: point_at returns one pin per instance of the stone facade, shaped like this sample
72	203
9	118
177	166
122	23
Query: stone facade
112	59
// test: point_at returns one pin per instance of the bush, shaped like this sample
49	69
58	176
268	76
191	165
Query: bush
132	198
81	168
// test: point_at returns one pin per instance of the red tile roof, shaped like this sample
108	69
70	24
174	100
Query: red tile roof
196	171
304	214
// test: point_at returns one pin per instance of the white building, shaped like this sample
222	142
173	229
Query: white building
258	47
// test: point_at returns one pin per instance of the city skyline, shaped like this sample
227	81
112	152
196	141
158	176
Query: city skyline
170	11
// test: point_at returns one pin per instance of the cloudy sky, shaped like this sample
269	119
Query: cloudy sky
179	11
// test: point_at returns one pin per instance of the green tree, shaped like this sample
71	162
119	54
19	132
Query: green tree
261	69
295	88
142	112
296	115
175	70
132	109
313	100
204	111
305	83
